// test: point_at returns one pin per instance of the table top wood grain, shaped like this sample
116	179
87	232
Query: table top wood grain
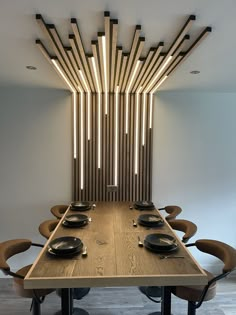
114	257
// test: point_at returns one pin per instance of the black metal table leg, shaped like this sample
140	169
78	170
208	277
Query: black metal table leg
166	301
66	302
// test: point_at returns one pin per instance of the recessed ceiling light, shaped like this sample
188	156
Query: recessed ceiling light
31	68
195	72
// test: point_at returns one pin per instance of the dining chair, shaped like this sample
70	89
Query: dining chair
9	249
173	212
59	210
196	295
47	227
189	229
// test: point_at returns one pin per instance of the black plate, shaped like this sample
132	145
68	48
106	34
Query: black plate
80	204
66	244
51	252
75	219
80	209
160	241
144	204
76	225
159	250
150	220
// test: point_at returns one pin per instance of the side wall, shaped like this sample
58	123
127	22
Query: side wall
194	162
35	158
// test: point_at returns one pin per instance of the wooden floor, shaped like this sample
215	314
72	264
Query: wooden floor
119	301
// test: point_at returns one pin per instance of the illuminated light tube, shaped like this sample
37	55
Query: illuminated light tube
151	99
133	75
89	103
151	109
99	130
74	124
95	73
157	86
81	141
55	63
136	132
106	103
105	71
116	136
89	115
159	72
99	113
144	118
126	112
127	97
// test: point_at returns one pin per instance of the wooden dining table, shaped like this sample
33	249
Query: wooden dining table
114	257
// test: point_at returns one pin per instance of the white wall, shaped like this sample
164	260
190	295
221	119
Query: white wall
35	158
194	160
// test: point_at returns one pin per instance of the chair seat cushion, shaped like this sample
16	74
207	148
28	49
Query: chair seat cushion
193	293
152	291
18	285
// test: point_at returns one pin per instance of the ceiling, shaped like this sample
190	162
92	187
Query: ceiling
161	20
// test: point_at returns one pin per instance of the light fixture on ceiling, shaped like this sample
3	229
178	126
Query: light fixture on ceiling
194	72
31	68
153	67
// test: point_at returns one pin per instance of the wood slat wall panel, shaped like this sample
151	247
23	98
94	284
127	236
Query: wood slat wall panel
107	171
114	31
111	145
132	54
79	62
108	42
65	67
118	66
104	149
141	157
148	150
131	146
101	183
81	50
127	154
86	164
121	146
132	74
150	66
64	55
134	62
123	67
144	67
100	59
78	148
94	139
145	154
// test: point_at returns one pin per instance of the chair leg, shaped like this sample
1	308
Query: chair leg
36	307
191	309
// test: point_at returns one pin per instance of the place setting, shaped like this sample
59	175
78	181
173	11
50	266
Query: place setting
76	220
80	206
66	246
150	220
160	243
143	205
